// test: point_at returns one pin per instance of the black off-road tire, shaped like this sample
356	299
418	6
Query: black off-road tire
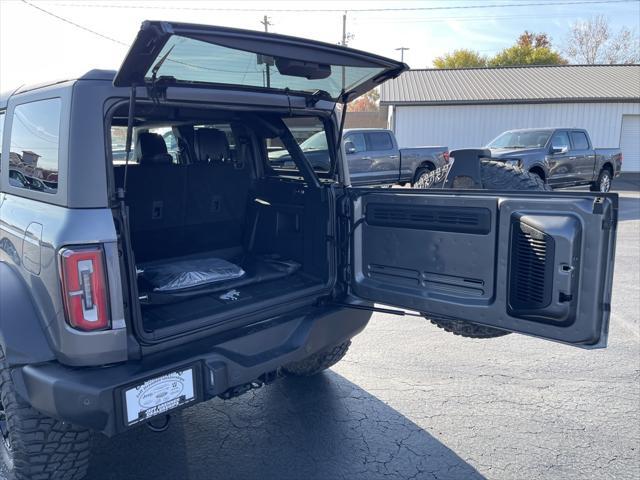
466	329
422	176
603	184
37	447
494	176
316	363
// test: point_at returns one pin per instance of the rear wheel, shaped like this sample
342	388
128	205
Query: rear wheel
603	184
35	446
316	363
494	176
423	176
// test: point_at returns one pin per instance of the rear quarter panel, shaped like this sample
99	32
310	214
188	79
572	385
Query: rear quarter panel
32	253
35	225
412	158
608	155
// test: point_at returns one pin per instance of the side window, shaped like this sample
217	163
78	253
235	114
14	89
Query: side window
1	136
118	145
358	141
580	141
560	140
310	134
379	141
33	157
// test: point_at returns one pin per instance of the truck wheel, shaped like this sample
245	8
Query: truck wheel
316	363
494	176
35	446
603	184
423	177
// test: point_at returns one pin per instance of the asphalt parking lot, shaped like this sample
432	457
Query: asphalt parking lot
412	402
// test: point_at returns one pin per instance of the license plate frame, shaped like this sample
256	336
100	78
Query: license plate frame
159	395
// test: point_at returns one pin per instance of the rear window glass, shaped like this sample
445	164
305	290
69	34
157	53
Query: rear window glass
33	157
310	134
196	61
379	141
580	141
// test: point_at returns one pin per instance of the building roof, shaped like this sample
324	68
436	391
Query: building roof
530	84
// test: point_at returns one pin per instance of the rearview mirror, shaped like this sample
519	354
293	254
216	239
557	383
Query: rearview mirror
349	147
555	150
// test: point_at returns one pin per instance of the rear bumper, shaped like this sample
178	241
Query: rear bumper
94	397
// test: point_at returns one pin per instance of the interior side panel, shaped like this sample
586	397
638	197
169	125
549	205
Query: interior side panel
533	264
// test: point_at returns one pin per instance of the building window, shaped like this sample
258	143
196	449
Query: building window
33	157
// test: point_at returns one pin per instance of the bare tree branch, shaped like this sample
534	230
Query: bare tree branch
593	42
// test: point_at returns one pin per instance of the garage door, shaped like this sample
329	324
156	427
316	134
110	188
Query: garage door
630	143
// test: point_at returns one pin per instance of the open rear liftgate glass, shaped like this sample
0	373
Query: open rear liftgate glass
539	264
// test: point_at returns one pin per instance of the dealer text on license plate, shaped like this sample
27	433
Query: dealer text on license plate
159	395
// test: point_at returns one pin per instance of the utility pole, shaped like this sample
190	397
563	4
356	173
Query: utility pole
265	21
402	49
344	29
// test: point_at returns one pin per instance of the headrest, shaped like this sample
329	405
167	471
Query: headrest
211	145
151	149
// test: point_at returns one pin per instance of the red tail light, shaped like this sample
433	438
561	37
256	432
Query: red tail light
446	157
84	287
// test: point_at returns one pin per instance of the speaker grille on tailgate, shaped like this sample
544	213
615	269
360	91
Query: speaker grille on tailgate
443	219
531	268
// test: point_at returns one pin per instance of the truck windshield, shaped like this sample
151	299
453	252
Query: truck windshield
317	141
521	139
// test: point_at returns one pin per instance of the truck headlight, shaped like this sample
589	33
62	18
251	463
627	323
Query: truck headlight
514	162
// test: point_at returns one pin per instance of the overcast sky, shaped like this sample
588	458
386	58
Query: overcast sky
35	46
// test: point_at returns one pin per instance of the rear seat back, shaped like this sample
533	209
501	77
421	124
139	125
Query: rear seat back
155	196
217	187
180	209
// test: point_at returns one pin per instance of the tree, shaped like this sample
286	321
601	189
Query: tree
369	102
530	49
462	58
593	41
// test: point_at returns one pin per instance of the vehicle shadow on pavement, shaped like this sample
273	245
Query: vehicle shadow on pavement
323	427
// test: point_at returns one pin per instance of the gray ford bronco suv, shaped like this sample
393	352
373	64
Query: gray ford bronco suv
152	258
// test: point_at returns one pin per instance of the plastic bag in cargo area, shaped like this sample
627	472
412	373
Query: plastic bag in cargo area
191	273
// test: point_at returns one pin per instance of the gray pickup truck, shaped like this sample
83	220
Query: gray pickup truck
561	157
195	268
373	157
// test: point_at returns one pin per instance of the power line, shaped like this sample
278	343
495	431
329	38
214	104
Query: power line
388	9
74	24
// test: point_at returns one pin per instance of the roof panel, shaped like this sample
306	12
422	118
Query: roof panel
515	84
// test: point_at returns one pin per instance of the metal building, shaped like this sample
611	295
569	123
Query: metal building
469	107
